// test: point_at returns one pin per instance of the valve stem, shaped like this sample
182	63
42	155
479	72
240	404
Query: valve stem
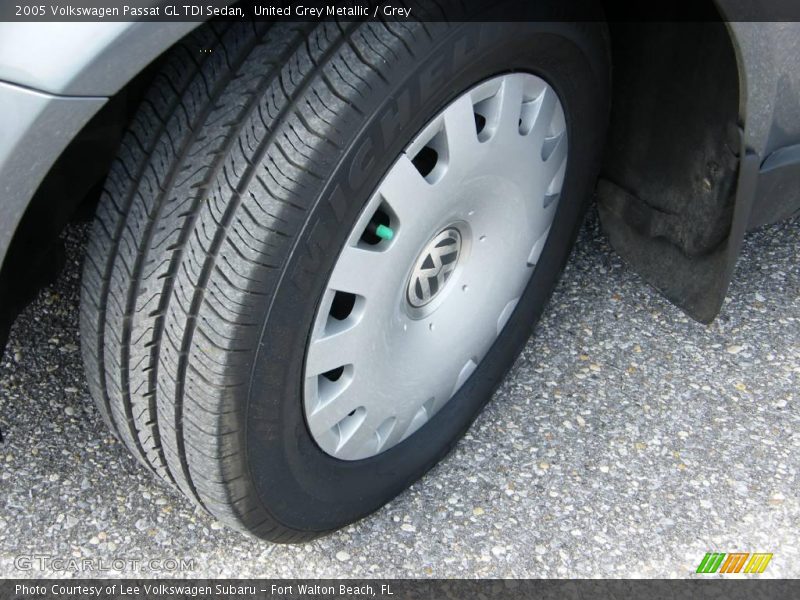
382	231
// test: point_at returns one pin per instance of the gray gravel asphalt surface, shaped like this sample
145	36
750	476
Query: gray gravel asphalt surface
627	440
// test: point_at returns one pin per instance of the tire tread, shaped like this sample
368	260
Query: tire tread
212	183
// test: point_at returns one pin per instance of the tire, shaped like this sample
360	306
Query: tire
234	190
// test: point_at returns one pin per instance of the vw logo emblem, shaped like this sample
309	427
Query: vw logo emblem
434	267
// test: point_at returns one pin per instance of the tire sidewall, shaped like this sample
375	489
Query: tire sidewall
303	487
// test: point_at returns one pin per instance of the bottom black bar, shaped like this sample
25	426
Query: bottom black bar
397	589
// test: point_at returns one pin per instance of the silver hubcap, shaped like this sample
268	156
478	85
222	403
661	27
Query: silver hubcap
435	266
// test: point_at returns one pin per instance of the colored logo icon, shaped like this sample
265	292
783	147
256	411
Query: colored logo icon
736	562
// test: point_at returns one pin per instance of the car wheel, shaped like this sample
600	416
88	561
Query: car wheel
320	249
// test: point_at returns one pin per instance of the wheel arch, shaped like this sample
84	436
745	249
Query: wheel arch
678	181
73	88
112	64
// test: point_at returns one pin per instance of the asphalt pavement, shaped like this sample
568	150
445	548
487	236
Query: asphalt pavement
627	441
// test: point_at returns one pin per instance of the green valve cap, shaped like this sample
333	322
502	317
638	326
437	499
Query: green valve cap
384	232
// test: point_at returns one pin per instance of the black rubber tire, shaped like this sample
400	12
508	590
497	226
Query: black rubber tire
234	189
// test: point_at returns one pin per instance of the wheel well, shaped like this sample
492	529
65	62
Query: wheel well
669	173
69	192
668	185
